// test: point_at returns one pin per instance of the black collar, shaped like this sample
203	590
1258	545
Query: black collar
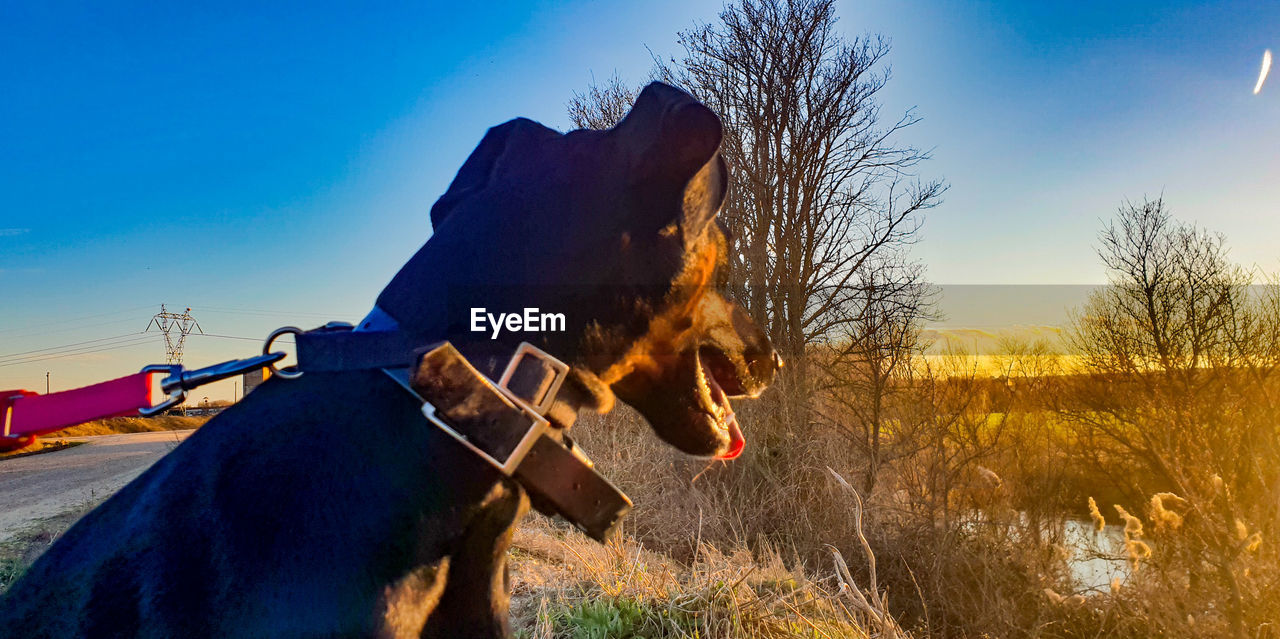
504	423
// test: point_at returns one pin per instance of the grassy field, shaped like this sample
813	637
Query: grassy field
966	524
566	586
114	426
39	446
118	425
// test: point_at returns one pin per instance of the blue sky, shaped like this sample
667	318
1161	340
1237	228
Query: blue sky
274	166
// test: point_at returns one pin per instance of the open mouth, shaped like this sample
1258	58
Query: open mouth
687	401
715	374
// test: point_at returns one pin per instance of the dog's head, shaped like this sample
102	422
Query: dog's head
616	231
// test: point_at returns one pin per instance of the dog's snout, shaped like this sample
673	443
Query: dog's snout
761	359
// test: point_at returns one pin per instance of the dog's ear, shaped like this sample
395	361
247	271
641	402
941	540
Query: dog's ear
671	137
483	164
703	198
670	132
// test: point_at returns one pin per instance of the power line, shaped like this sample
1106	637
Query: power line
124	339
79	352
74	319
223	309
250	339
101	348
137	339
8	333
83	327
51	348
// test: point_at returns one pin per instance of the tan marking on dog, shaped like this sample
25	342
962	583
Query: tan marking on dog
669	331
407	603
499	492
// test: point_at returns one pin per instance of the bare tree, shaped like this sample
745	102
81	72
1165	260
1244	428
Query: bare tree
867	369
820	187
602	105
1180	357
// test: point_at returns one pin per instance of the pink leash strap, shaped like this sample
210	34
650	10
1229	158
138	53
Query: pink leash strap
24	413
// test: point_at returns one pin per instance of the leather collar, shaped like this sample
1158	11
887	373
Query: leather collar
504	423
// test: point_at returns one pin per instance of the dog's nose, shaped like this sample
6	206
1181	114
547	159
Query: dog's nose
761	358
763	362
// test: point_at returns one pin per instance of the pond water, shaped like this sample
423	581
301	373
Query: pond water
1096	557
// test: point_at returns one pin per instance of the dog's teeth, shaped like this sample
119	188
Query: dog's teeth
707	395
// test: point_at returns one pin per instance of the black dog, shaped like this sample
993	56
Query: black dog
327	506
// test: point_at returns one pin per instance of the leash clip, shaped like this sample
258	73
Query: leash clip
179	381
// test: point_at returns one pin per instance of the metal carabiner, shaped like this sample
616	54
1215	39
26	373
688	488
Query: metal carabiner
175	396
266	348
178	382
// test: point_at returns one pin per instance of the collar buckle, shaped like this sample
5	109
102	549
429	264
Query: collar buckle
499	422
507	466
503	424
533	377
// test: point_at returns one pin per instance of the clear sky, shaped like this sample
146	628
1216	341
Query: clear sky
271	166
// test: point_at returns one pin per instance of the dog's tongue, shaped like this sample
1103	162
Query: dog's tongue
736	441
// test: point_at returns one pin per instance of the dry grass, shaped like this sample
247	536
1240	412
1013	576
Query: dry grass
949	575
569	587
755	548
39	446
778	495
114	426
118	425
776	544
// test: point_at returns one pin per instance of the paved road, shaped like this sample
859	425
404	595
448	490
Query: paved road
39	486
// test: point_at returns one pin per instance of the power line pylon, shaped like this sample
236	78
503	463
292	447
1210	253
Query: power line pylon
168	323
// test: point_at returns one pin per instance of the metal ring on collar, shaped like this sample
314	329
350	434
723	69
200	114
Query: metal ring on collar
266	348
